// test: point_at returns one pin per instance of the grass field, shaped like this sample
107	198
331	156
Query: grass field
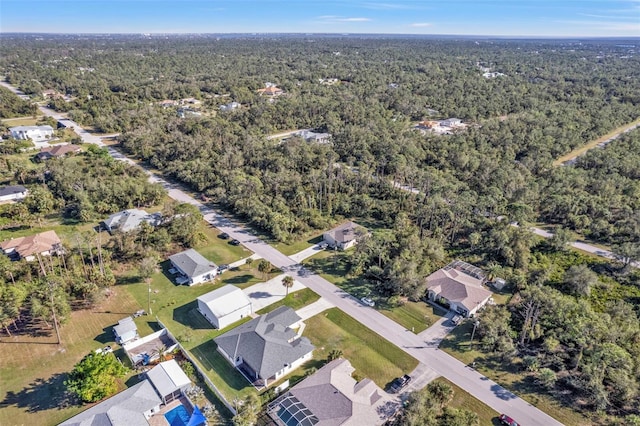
21	121
371	355
297	246
463	399
32	391
217	249
332	266
295	301
416	316
457	344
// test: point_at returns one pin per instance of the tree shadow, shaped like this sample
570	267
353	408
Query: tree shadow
240	279
41	394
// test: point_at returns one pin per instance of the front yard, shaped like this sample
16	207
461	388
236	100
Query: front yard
415	316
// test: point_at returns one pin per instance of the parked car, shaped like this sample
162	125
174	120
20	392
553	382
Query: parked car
234	242
224	236
399	383
457	319
107	349
506	420
223	268
368	301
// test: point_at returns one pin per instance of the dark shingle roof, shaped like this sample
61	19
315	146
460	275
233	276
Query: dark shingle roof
266	343
192	263
10	190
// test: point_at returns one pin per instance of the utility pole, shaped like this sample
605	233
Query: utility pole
149	296
475	324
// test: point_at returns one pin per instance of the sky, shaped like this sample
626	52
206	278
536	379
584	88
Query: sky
552	18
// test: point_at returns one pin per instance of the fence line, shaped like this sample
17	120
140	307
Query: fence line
202	373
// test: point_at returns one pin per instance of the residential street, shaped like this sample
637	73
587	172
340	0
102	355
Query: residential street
443	364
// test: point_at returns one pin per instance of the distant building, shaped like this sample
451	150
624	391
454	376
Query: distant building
342	237
224	306
331	397
230	106
311	136
451	122
35	133
13	193
194	267
130	220
271	90
57	151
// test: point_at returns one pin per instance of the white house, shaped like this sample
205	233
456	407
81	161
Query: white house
35	133
460	286
13	193
230	106
342	237
268	347
311	136
125	331
224	306
194	267
129	220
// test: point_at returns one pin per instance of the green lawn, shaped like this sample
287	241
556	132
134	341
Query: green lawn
32	390
416	316
463	399
370	354
217	249
299	245
332	266
457	343
20	121
295	301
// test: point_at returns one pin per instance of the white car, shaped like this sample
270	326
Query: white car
368	301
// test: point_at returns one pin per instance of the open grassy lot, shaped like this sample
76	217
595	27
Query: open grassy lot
332	266
217	249
463	399
509	375
33	368
370	354
21	121
301	244
295	301
416	316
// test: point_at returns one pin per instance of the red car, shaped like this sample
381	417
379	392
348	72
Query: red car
506	420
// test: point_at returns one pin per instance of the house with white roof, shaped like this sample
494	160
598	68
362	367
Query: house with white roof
125	331
459	285
130	220
194	267
224	306
169	380
35	133
331	397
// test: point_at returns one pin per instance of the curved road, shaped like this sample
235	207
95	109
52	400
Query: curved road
440	362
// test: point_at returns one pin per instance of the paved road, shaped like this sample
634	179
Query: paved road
441	363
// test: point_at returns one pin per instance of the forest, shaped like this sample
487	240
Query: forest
468	187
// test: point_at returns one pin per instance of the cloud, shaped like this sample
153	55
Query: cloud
333	18
421	24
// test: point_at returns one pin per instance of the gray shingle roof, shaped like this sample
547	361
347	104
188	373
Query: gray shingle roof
10	190
128	220
125	408
266	343
125	326
192	263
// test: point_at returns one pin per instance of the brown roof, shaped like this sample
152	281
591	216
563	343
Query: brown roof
458	286
60	150
344	233
38	243
271	91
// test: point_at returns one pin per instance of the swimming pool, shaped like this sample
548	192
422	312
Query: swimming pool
178	416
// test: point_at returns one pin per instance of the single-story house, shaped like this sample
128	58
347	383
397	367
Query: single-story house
268	347
125	331
311	136
131	407
129	220
195	267
147	349
270	90
342	237
224	306
169	380
35	133
57	151
230	106
43	244
331	397
451	122
13	193
460	285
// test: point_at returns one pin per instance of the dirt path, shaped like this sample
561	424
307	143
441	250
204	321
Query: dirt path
614	134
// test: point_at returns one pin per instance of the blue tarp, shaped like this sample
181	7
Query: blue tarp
197	418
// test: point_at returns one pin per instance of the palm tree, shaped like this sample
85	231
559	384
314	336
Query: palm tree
287	281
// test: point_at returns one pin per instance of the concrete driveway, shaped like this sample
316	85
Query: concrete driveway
433	335
264	294
306	253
